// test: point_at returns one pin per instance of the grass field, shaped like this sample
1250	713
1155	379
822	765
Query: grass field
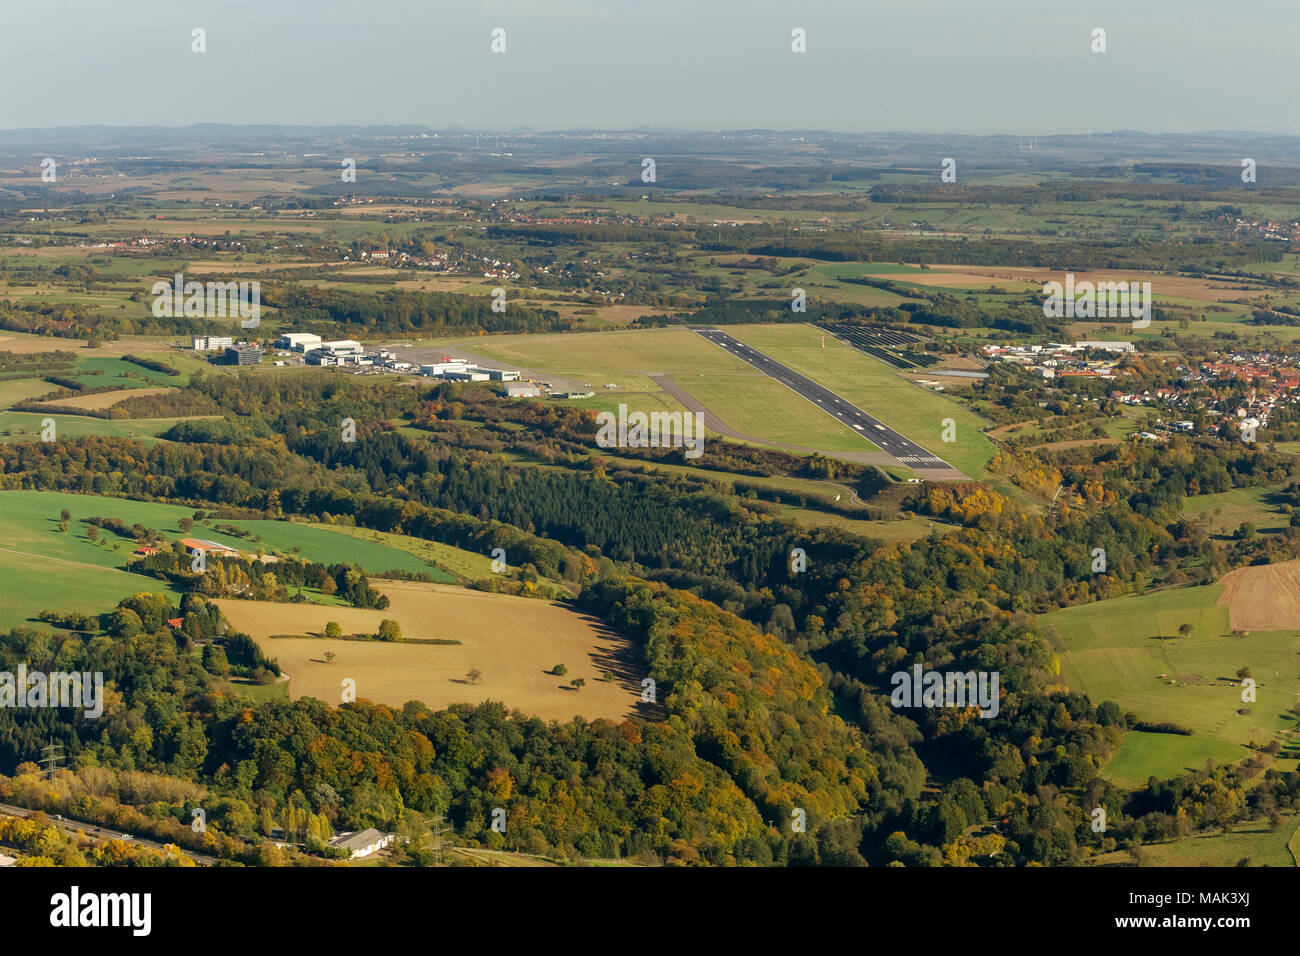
21	389
466	564
1252	840
513	641
626	357
1112	650
915	412
31	583
30	520
258	693
102	370
26	426
327	543
1224	512
904	529
744	399
751	403
1143	755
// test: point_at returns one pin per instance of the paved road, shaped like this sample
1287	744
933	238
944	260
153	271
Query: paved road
904	450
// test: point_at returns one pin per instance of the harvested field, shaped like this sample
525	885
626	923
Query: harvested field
23	344
1179	287
22	389
513	641
210	267
107	399
1265	597
939	276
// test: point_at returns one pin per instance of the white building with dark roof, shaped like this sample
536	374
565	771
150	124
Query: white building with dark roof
364	843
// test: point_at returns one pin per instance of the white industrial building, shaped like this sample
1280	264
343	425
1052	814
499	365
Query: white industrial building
460	370
298	341
525	390
212	343
343	347
362	844
1105	346
439	369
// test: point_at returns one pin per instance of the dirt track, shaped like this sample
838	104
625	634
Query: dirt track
1265	597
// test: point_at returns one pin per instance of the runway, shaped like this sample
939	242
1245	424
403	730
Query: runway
902	449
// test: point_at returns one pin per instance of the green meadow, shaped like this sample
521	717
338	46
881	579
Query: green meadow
1129	650
31	519
32	583
1254	841
1224	512
105	370
26	426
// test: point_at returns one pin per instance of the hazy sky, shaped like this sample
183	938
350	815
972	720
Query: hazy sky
965	66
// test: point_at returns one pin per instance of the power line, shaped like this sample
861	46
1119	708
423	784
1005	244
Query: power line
438	830
53	756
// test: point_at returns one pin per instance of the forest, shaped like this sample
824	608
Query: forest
774	686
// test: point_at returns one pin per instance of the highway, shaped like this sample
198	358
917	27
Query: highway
100	833
904	450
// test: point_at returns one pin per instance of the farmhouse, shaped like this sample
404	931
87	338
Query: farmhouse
364	843
199	546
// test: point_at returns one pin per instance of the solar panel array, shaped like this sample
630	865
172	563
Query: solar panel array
861	335
877	342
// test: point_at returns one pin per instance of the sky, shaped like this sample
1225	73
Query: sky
1021	67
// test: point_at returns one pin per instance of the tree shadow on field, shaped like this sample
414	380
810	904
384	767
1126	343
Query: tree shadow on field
622	658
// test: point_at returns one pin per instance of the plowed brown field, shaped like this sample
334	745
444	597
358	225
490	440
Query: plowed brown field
1264	597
